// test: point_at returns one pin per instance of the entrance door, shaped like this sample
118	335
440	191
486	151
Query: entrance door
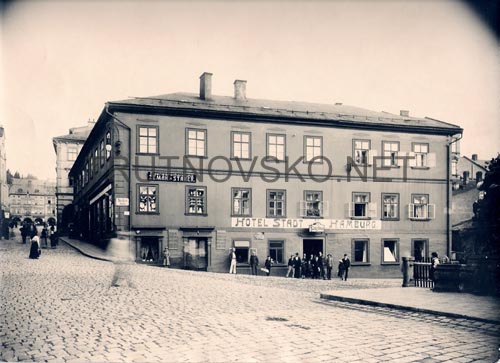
312	246
196	254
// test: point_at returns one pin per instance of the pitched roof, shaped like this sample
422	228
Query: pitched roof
313	111
480	163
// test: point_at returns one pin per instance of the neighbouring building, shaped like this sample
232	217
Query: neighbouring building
201	174
4	189
33	201
467	170
67	147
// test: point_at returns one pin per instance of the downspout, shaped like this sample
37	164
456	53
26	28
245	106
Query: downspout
129	166
448	196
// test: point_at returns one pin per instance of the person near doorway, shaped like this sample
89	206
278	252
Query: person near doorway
347	265
316	270
290	267
254	263
329	266
268	264
166	257
304	268
322	265
341	269
296	266
434	264
232	266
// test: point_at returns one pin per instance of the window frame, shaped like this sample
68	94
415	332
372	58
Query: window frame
138	196
249	199
271	157
427	216
367	212
397	247
108	142
398	210
205	200
317	159
205	146
233	133
282	248
395	164
157	138
321	202
102	151
426	166
249	248
353	246
72	148
268	199
426	247
367	162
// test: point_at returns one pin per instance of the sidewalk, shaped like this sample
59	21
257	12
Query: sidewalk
418	299
86	249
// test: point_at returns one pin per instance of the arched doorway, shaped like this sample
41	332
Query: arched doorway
479	176
28	220
38	221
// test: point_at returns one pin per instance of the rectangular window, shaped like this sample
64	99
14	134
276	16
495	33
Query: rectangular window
390	251
241	145
148	195
390	150
91	166
196	142
454	169
101	152
360	203
276	250
420	209
276	206
196	200
360	251
72	153
96	161
242	201
312	205
108	145
313	149
361	151
148	139
420	248
420	151
241	250
276	147
86	176
390	206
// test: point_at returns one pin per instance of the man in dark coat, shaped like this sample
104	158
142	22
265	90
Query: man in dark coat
254	263
315	267
321	265
296	265
347	265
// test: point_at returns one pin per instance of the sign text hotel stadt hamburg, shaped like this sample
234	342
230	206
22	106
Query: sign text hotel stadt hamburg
314	225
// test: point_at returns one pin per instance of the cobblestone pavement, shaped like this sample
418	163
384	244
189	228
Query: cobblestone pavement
67	307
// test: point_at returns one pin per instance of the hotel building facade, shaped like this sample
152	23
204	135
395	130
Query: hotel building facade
201	174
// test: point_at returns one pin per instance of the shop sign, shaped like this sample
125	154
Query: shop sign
316	228
172	177
299	223
121	202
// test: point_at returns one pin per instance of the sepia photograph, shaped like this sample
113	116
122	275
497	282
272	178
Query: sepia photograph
250	181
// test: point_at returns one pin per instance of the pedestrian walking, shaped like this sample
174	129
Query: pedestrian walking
341	269
329	266
434	264
24	233
296	266
268	264
166	257
52	237
44	236
347	265
35	248
290	267
232	266
322	265
33	231
254	263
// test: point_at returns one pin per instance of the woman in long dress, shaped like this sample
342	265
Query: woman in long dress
35	248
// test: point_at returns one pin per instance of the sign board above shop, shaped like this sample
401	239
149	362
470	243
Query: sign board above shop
314	225
171	177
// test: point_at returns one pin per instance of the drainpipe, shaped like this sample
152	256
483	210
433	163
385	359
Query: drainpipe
129	168
448	195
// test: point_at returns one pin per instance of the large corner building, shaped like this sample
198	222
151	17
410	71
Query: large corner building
201	174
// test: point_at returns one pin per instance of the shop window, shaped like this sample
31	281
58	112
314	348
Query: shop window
242	201
276	147
241	145
313	149
390	251
390	150
360	251
196	200
196	142
276	250
149	249
148	198
242	251
390	206
276	206
148	139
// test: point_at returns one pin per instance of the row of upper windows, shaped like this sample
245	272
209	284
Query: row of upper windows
94	162
241	148
311	206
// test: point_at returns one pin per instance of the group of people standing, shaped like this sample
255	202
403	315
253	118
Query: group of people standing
317	266
29	230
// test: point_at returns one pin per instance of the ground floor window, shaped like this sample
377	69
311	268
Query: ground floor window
149	249
360	250
390	251
420	249
241	250
196	253
276	250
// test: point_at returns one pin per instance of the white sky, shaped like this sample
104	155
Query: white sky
62	61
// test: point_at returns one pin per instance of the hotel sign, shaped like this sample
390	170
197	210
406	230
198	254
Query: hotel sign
172	177
314	225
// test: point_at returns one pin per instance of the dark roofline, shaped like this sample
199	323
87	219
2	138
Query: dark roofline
254	117
476	163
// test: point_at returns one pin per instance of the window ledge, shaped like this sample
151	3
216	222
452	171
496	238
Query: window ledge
421	219
196	214
146	154
148	213
391	219
420	167
240	215
362	218
312	217
360	264
240	159
196	156
390	263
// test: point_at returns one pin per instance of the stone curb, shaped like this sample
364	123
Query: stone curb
84	252
405	308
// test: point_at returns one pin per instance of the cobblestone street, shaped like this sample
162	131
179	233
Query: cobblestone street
67	307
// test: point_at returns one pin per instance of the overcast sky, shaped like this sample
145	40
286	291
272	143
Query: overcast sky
62	61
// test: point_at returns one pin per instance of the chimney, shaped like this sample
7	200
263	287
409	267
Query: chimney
474	157
404	113
240	89
206	86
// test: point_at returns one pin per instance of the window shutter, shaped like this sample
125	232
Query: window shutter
431	211
302	208
371	155
400	156
411	211
324	209
431	160
412	161
372	210
348	210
